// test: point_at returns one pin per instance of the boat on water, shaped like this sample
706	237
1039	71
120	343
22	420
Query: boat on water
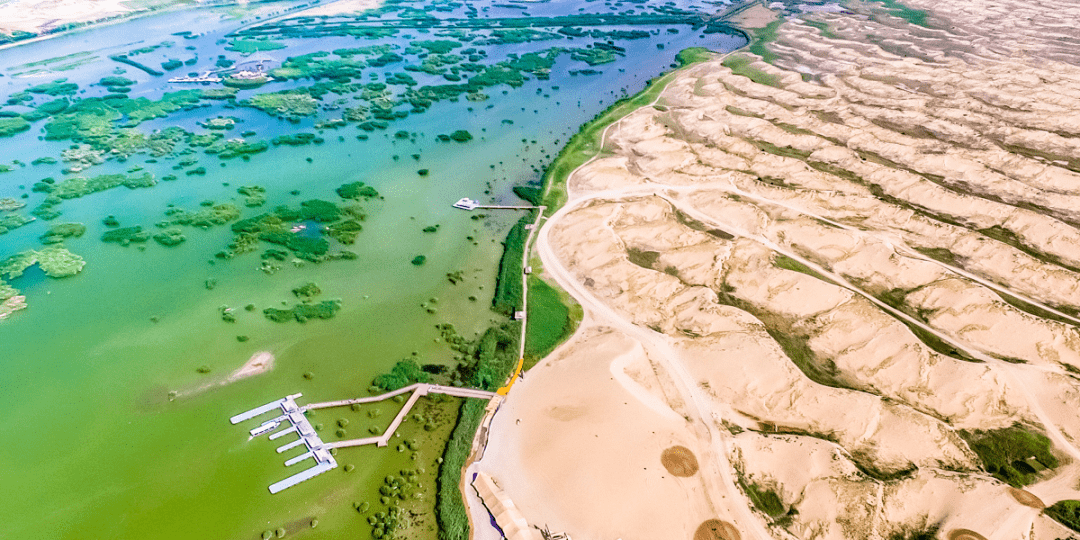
207	77
466	203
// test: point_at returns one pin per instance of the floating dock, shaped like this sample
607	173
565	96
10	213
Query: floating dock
294	416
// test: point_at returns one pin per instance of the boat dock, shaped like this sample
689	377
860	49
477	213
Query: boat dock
207	77
418	390
466	203
293	415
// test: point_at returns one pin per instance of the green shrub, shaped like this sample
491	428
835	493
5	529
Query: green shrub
461	135
403	374
1067	512
449	506
61	231
307	290
11	126
532	194
126	236
508	285
549	321
1015	455
302	312
357	191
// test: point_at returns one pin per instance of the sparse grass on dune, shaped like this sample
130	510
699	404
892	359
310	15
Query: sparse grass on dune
1066	512
586	143
1015	455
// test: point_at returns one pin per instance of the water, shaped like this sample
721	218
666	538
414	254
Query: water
94	447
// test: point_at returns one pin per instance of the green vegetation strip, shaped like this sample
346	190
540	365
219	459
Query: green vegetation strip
509	290
453	516
551	320
490	360
739	64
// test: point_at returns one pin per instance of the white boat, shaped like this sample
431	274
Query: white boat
207	77
466	204
265	428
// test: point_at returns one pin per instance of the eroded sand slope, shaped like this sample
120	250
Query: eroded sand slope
835	271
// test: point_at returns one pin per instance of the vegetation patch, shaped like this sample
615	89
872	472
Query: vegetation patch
126	236
294	229
509	292
549	323
173	236
403	374
289	104
307	291
248	46
1066	512
12	125
303	312
357	191
62	231
1015	455
55	260
204	219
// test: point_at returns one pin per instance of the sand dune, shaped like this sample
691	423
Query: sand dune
840	267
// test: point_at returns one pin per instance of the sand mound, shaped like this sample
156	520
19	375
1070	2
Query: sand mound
1026	498
714	529
679	461
965	534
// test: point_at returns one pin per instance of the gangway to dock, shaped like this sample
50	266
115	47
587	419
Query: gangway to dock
418	390
426	388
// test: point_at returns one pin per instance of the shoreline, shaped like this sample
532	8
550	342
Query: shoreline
586	140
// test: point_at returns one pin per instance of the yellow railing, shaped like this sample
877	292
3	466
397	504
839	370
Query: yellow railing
517	371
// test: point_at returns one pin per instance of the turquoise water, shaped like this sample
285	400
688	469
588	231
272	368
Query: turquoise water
94	447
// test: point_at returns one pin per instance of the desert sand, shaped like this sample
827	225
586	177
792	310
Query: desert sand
38	16
819	276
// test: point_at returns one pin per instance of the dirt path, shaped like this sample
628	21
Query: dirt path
724	495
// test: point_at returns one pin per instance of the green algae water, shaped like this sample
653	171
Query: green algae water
116	424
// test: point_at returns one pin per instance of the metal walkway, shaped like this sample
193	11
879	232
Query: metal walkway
418	390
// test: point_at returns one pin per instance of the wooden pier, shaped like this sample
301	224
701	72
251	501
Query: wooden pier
466	203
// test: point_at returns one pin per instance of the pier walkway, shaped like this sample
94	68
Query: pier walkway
292	415
424	388
418	390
